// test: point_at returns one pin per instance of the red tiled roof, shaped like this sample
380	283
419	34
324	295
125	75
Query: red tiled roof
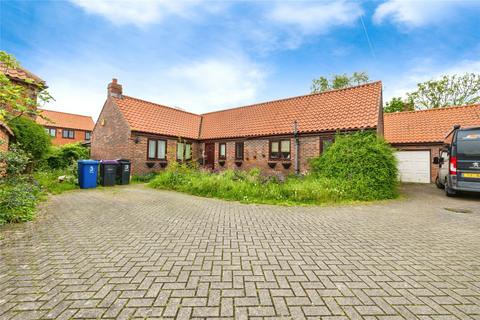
350	108
20	74
343	109
65	120
428	125
150	117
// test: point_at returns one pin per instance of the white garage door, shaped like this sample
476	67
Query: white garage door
414	166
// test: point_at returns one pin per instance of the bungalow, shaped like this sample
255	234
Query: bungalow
419	136
65	127
276	136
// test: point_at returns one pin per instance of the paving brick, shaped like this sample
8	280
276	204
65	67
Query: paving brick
134	252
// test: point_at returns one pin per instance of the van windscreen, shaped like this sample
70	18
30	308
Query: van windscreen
468	143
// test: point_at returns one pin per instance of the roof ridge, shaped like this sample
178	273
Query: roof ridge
433	109
73	114
297	97
161	105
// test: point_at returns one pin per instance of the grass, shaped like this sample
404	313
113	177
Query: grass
143	178
251	187
48	181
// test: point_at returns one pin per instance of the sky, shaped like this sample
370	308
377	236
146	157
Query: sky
203	56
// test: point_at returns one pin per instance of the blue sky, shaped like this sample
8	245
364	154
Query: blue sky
209	55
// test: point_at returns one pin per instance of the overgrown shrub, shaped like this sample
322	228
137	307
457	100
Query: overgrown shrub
18	200
140	178
13	162
60	157
252	187
30	137
365	161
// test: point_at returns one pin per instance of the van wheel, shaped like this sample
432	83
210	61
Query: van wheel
449	192
439	184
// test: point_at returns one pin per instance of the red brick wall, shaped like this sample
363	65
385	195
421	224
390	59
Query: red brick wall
4	139
138	148
256	154
111	135
79	136
434	152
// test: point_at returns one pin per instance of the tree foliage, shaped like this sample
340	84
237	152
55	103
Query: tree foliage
398	105
15	99
30	137
449	90
338	81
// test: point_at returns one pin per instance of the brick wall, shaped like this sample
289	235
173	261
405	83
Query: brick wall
434	152
4	139
138	148
111	135
256	154
79	136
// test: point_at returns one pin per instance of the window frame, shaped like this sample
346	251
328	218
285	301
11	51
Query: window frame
49	132
68	135
242	144
156	149
89	135
220	157
322	139
280	152
184	153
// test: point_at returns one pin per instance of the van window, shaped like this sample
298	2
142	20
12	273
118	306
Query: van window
468	143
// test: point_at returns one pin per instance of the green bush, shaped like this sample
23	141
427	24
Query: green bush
15	160
31	137
365	161
18	199
60	157
141	178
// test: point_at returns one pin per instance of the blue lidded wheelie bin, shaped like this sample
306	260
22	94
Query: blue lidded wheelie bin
87	173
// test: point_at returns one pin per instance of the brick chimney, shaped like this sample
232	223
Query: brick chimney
114	89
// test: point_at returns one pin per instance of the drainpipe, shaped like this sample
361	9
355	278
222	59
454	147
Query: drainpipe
297	148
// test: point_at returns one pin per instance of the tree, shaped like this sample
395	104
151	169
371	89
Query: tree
338	81
398	105
15	100
30	137
449	90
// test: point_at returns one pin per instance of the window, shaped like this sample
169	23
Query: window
156	149
52	132
184	151
238	150
325	143
222	151
68	134
280	150
88	135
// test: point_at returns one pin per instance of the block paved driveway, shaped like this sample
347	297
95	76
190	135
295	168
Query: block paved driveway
135	253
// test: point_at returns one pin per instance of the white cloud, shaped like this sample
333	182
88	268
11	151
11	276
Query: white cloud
212	84
139	12
400	85
316	17
199	86
417	13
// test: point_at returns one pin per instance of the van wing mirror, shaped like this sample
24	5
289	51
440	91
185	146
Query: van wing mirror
436	160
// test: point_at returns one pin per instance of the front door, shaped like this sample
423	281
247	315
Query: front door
210	155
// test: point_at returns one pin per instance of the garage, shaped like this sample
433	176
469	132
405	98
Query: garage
414	166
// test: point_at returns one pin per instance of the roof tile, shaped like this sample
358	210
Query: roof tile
428	125
65	120
343	109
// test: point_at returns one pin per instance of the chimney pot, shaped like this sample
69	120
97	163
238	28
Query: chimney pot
114	89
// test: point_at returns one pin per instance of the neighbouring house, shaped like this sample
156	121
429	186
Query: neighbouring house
65	127
21	76
260	135
419	136
5	134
